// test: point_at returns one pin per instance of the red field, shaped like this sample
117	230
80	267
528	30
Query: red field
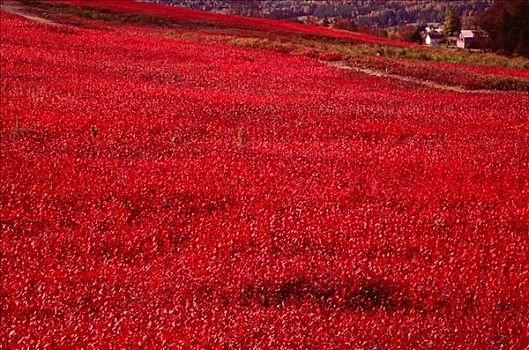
168	193
468	76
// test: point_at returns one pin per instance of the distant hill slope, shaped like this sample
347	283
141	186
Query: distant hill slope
189	15
464	69
372	13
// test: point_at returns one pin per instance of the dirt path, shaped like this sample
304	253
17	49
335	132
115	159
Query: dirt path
16	8
378	73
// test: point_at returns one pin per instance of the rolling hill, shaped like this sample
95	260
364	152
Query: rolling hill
179	179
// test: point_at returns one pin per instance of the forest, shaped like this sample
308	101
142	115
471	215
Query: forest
362	12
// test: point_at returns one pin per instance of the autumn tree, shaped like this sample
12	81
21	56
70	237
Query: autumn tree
507	23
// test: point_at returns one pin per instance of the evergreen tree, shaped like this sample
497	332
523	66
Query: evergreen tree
452	25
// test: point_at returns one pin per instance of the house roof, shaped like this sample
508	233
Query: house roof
467	34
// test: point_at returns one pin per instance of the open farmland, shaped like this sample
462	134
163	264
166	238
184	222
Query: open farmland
177	186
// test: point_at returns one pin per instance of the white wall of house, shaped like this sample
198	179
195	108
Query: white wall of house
430	41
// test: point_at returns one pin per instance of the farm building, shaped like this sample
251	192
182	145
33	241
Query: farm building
434	38
472	39
466	39
433	27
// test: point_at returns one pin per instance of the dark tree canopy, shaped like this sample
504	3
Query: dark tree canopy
380	13
507	23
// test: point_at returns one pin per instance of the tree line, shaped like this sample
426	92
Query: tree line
507	23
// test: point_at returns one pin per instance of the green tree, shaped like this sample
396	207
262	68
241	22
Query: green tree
452	25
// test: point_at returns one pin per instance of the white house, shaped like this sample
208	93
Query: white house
434	38
303	19
473	39
466	39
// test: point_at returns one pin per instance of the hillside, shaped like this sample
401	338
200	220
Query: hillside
172	178
369	13
181	16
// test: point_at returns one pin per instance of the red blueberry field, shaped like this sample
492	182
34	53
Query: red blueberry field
167	192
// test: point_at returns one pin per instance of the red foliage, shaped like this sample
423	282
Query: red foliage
168	193
469	76
443	66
